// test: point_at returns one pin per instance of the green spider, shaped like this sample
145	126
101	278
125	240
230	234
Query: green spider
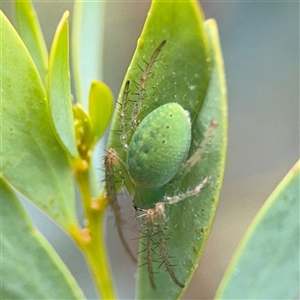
156	157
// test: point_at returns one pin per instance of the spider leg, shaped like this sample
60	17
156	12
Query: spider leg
189	193
122	110
110	162
160	223
142	84
149	253
196	156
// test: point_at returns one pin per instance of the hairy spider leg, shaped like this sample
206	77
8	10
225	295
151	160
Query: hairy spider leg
189	193
142	84
122	117
155	223
111	161
160	218
150	225
196	156
188	165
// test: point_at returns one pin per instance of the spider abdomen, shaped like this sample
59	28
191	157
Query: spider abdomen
159	146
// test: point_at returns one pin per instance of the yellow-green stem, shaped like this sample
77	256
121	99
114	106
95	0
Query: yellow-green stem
92	241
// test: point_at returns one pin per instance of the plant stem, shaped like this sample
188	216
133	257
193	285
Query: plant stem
91	240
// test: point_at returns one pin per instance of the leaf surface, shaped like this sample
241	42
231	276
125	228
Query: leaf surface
59	89
266	263
30	267
188	70
30	31
190	221
100	107
32	160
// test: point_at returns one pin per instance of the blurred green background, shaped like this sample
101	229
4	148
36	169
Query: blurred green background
260	42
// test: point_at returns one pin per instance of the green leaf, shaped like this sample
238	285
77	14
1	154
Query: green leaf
189	221
32	160
29	29
100	107
58	88
266	263
30	268
189	71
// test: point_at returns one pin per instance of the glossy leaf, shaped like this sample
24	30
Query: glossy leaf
189	221
181	74
29	29
266	263
59	90
32	160
30	268
100	107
